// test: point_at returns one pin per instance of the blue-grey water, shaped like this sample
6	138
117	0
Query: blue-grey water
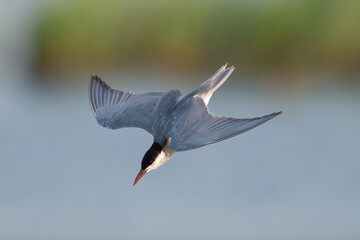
62	176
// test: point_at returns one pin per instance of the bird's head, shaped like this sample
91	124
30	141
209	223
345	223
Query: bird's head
153	158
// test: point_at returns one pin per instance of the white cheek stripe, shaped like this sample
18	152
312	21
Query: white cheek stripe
160	160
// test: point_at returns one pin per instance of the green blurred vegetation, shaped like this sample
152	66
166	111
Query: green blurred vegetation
278	35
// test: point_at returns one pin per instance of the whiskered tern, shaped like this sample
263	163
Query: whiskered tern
176	124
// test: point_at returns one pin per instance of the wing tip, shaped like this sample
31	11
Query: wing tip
271	115
96	78
95	81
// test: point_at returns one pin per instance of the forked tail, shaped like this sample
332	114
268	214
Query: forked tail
207	88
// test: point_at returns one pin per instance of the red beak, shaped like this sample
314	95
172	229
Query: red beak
139	176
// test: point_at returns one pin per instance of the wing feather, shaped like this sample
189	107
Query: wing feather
198	127
117	109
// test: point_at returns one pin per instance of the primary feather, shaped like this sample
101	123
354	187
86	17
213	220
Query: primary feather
197	127
117	109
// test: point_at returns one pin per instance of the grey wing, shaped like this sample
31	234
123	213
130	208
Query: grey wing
117	109
198	127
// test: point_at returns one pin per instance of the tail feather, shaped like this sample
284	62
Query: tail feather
207	88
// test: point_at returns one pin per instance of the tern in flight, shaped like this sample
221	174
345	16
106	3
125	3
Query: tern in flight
176	124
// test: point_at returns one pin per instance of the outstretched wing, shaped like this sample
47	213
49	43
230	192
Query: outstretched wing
117	109
197	127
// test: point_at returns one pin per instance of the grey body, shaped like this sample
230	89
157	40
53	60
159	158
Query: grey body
176	124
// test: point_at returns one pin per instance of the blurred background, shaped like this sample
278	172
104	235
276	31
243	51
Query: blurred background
296	177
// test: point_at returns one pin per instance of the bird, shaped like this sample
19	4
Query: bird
177	124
